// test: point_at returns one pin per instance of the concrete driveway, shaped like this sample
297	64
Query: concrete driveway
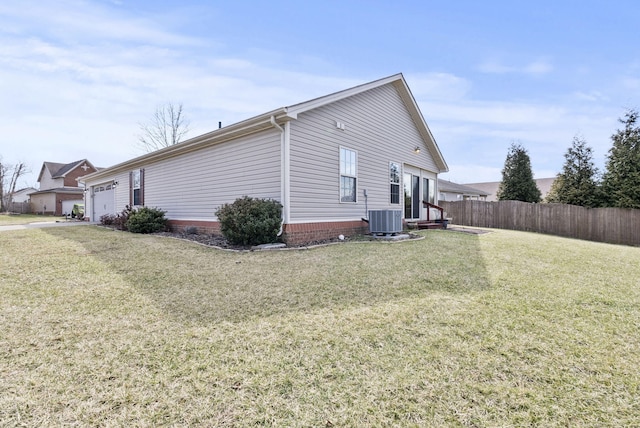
41	224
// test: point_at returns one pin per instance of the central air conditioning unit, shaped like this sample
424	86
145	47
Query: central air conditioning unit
385	221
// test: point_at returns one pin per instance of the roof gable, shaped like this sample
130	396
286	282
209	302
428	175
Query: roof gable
52	167
60	170
66	169
284	114
399	83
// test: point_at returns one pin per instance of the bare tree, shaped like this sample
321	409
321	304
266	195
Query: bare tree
166	128
9	176
4	169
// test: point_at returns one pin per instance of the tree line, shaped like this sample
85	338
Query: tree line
580	182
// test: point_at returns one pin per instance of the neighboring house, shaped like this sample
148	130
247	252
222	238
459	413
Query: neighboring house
544	184
22	195
491	188
19	200
327	161
450	191
59	187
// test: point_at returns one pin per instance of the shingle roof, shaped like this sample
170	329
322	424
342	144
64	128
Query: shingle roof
59	170
66	189
64	169
267	120
53	167
451	187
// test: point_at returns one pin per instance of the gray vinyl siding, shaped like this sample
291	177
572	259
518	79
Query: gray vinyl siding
192	186
47	182
378	127
122	191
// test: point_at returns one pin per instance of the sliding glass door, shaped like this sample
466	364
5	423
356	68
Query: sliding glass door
411	196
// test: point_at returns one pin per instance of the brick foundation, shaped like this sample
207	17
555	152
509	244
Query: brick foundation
293	234
206	227
296	234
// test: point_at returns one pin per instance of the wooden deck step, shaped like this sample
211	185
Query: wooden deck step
430	225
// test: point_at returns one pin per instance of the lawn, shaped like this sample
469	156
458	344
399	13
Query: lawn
104	328
12	219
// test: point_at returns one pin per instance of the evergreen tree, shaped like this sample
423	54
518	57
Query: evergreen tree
517	178
621	180
577	183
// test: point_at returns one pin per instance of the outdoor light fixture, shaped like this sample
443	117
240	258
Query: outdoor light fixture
417	150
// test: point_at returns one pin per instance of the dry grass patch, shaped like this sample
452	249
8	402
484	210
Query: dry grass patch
104	328
13	219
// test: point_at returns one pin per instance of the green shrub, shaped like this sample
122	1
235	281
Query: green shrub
146	220
250	221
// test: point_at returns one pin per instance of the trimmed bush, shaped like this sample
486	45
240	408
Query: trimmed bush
146	220
250	221
118	221
107	219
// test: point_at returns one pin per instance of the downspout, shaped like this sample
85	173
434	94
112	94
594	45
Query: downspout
284	170
84	196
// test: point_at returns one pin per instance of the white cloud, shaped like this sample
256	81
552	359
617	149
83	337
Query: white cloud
70	102
536	67
472	173
438	86
77	77
591	96
494	67
69	21
632	83
493	113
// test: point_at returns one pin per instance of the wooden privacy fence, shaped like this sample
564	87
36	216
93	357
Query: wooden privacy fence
20	207
612	225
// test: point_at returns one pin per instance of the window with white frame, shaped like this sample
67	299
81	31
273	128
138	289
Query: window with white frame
394	181
136	187
348	175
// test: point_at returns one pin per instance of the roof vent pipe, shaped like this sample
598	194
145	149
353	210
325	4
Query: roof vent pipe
219	125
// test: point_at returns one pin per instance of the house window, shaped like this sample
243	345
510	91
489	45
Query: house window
394	180
136	181
348	175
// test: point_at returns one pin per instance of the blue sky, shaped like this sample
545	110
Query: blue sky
78	77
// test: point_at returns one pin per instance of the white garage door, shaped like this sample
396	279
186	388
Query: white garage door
67	206
103	201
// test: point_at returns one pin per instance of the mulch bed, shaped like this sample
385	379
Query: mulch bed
221	242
